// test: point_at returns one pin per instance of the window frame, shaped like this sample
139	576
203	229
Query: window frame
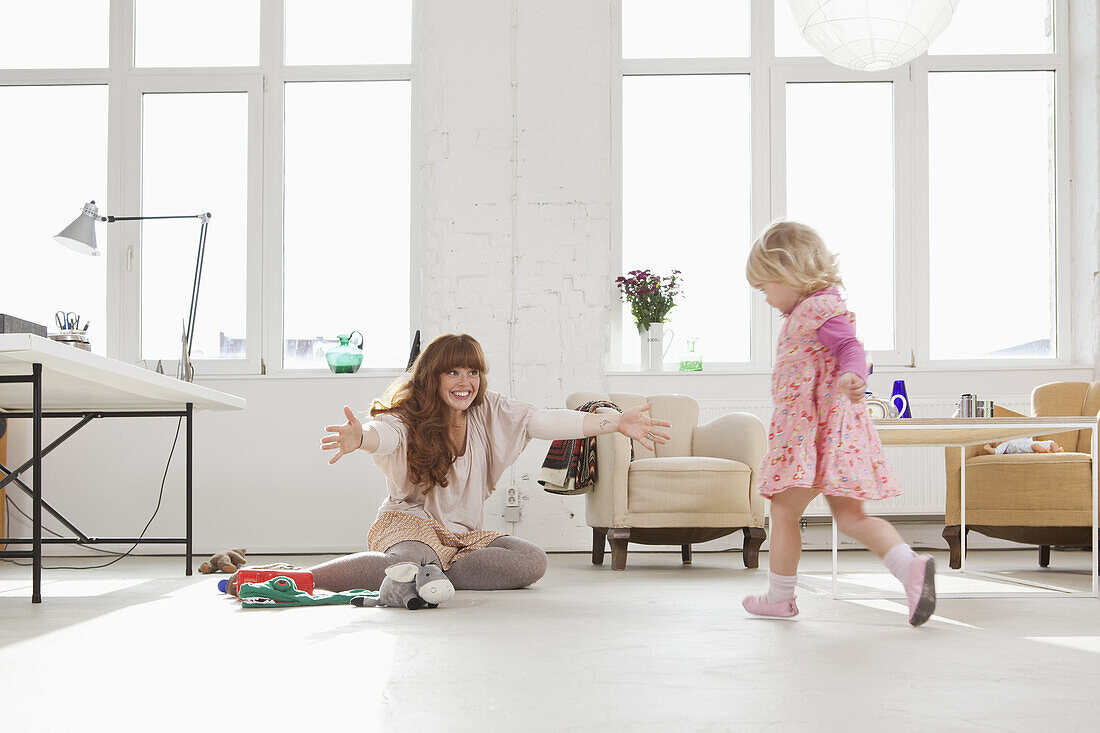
263	83
769	76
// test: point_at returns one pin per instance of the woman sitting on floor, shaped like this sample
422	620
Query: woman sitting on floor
444	441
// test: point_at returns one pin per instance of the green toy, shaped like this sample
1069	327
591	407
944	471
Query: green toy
282	591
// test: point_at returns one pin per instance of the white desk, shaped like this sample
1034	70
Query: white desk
963	432
41	379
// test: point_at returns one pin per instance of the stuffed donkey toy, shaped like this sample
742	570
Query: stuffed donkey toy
411	585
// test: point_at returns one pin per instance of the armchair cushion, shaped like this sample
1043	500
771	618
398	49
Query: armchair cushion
1029	489
686	485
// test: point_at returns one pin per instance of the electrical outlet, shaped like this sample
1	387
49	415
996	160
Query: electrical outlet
511	514
512	498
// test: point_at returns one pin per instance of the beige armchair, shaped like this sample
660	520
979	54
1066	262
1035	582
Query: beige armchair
697	487
1040	499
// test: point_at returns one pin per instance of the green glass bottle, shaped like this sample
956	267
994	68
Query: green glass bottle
347	357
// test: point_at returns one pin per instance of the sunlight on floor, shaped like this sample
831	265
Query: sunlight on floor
946	583
71	588
903	609
1080	643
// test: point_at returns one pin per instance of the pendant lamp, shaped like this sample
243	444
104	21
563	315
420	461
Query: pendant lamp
872	35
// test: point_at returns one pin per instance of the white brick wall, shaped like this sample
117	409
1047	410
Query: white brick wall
561	216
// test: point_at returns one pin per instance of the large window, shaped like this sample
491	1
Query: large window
992	214
840	180
53	162
289	122
346	226
53	34
177	131
935	182
687	149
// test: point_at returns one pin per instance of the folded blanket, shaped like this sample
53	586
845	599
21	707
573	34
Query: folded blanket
570	465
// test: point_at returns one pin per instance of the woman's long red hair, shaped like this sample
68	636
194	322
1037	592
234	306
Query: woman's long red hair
415	399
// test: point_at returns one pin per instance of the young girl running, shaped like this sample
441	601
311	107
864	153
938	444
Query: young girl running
822	439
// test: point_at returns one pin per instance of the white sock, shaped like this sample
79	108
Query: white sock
781	587
898	561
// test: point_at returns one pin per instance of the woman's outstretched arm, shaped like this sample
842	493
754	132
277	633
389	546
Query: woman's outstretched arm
634	423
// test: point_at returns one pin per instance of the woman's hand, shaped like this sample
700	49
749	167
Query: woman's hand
852	386
635	424
347	438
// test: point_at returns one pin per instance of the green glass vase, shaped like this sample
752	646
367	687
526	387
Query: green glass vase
691	360
347	357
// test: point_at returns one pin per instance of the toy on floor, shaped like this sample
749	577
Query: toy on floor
303	579
230	585
226	562
282	592
410	585
1023	445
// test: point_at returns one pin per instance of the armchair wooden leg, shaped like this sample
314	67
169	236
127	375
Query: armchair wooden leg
599	543
750	552
685	554
952	533
618	537
1044	556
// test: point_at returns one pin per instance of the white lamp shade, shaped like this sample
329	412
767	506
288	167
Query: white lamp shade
872	35
80	235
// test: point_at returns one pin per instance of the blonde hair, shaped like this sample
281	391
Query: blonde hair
795	255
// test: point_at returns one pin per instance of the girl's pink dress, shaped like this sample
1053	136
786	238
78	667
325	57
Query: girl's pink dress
819	439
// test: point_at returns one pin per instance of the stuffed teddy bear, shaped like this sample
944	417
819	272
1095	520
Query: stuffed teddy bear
227	562
410	585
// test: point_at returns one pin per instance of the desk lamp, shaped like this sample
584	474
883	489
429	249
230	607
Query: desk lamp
80	236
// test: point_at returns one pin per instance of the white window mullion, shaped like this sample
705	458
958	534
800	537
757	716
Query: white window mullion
616	352
906	294
769	325
121	299
271	58
254	341
763	173
128	204
919	253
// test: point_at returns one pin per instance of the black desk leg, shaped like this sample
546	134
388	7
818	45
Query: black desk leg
190	412
36	513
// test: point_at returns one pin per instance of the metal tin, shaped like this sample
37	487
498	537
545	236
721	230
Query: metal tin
967	405
72	337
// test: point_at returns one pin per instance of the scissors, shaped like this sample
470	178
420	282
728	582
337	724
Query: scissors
66	321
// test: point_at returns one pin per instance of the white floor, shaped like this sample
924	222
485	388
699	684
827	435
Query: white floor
659	647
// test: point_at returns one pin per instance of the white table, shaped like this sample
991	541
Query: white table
66	382
963	432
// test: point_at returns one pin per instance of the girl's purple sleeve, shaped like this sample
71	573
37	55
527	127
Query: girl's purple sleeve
839	335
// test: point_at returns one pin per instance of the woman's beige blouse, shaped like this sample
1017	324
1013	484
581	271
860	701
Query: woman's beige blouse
496	434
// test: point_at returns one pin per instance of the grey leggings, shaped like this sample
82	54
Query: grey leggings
507	563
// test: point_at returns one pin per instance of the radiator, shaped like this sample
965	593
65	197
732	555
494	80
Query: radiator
920	470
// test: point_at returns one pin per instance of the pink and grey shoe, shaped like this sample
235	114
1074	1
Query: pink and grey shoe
921	589
758	605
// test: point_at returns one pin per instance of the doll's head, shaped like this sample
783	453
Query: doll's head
793	255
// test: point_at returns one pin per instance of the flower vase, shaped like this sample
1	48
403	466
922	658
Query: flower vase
653	347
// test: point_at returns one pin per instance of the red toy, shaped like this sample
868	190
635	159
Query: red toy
302	578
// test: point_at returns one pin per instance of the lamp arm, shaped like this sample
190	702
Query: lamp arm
205	217
195	285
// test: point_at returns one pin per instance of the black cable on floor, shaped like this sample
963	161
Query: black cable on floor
121	555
